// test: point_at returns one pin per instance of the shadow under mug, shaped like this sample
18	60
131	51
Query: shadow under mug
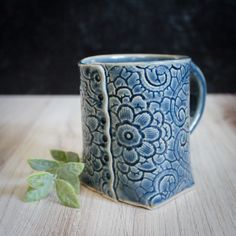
136	125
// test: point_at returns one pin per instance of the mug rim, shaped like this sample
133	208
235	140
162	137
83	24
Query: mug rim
132	58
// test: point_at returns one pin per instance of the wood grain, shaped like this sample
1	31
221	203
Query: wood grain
31	125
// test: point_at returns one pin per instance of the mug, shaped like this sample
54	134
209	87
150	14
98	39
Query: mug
136	125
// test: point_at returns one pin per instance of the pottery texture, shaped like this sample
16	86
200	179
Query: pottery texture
136	130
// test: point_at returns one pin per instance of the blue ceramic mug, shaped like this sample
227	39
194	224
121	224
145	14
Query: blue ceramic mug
136	125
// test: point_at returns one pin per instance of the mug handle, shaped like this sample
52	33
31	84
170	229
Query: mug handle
196	110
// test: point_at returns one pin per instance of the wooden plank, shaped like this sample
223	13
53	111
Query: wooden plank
31	125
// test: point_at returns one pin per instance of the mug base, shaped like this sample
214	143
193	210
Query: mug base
183	192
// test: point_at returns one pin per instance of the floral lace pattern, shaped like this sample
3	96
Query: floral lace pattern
146	143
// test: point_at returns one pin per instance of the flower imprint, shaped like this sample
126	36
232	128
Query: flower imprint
135	135
155	77
87	137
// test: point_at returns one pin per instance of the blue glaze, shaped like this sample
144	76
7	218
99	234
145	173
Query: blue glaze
136	125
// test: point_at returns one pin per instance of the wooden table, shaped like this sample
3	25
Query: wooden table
31	125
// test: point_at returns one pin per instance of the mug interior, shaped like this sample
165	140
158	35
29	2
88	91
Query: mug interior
130	58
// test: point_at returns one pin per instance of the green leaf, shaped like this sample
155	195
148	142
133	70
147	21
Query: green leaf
66	194
71	168
70	172
40	179
40	185
43	165
72	157
74	181
37	194
58	155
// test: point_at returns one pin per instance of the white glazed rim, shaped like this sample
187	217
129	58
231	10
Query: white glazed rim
113	59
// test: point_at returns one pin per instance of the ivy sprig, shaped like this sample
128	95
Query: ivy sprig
61	174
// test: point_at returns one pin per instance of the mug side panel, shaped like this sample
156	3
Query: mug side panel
98	172
149	127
